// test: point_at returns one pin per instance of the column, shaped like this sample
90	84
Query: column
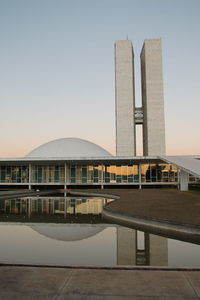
65	179
29	176
183	179
102	170
140	177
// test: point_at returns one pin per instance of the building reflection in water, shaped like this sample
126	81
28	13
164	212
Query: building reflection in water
53	205
133	247
140	248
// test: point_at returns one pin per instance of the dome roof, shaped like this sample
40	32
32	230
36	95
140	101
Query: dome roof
69	147
69	232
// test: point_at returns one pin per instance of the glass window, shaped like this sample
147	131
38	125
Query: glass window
90	174
112	171
118	174
97	174
107	174
84	175
73	174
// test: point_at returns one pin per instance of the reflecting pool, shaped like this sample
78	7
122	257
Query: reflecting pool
69	231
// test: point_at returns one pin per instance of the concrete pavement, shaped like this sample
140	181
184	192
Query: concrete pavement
60	283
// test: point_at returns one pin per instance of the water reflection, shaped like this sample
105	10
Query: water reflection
60	209
25	244
81	244
140	249
67	234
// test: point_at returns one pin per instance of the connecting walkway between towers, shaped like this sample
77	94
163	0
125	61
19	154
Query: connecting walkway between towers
187	165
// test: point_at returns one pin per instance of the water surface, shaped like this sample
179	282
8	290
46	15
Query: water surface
70	231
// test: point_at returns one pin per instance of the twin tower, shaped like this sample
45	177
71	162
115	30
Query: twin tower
151	114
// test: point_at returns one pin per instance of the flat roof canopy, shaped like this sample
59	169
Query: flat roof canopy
82	160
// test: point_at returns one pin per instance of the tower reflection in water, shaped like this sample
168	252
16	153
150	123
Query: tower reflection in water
140	248
133	247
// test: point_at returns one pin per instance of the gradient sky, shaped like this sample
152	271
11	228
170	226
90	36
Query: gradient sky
57	69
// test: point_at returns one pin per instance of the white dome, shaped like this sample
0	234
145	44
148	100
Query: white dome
69	232
69	147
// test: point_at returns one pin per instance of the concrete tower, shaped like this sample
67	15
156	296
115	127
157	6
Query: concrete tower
151	114
124	99
152	98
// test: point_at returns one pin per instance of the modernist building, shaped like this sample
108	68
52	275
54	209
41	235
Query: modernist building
72	161
75	162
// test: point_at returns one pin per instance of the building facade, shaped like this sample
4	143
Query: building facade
81	172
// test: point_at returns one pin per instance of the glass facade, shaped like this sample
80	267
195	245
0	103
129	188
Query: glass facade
193	179
14	174
121	174
89	174
159	173
47	174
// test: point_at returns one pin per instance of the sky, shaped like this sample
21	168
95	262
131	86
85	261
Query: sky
57	70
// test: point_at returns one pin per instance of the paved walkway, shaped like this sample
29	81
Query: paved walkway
53	283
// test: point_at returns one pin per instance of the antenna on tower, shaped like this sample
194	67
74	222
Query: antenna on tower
127	37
